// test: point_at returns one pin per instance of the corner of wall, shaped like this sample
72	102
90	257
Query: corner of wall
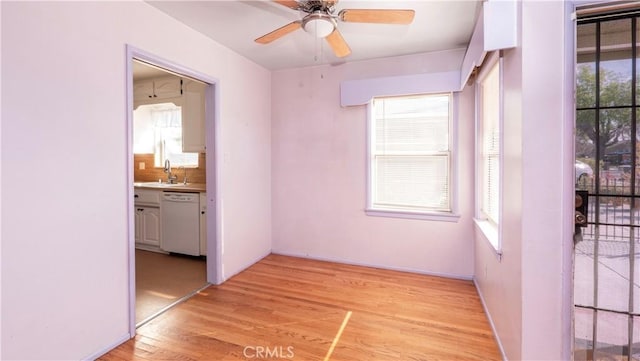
490	319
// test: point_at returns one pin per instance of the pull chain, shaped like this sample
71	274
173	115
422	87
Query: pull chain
319	50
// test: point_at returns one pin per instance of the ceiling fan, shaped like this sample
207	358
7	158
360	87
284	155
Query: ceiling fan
321	21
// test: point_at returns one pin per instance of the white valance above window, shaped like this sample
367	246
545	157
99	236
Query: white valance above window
360	92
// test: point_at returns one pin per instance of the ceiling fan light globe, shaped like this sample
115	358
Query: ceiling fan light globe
319	26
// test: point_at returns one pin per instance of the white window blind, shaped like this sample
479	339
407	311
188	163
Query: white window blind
490	148
158	130
168	136
410	153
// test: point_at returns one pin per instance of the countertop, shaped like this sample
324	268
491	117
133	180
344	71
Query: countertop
178	187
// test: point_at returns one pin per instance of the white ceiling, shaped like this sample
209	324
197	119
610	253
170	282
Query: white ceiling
438	25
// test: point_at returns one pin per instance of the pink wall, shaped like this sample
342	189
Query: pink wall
548	178
319	175
1	199
64	237
528	291
500	280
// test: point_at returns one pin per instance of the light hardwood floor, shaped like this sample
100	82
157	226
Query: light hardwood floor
299	309
163	279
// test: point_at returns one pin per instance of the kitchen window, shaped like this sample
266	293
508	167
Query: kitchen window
489	151
158	130
410	157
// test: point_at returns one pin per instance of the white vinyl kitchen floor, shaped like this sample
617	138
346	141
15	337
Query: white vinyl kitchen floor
163	279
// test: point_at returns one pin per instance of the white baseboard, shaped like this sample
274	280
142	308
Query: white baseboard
365	264
113	345
493	326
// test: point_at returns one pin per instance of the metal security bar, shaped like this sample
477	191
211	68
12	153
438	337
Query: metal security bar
607	285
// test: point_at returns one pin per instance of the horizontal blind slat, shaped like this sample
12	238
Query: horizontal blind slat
410	152
490	138
413	181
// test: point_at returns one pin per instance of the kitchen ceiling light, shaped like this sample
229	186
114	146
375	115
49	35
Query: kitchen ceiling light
318	24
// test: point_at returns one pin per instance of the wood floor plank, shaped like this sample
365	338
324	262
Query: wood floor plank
293	308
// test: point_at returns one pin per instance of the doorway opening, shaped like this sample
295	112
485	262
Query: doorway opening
173	223
607	167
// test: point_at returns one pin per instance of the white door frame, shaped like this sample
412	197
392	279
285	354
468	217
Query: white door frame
212	127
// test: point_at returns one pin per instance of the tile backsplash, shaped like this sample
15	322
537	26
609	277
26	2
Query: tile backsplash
152	174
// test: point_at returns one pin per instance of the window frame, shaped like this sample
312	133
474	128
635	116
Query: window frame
490	229
160	156
432	215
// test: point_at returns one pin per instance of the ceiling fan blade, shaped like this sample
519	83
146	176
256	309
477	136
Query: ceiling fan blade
380	16
278	33
288	3
337	43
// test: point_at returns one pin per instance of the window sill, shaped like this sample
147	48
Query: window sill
427	216
490	234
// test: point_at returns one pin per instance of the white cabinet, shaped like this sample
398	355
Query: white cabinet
169	87
148	226
155	222
148	234
203	224
188	94
156	90
143	90
193	123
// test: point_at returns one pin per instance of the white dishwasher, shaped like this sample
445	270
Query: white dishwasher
180	214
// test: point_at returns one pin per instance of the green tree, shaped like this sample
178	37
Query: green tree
615	90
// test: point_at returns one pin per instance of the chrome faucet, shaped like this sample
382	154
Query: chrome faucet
171	179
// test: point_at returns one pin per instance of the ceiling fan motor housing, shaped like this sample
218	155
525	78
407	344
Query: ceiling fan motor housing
319	23
311	6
